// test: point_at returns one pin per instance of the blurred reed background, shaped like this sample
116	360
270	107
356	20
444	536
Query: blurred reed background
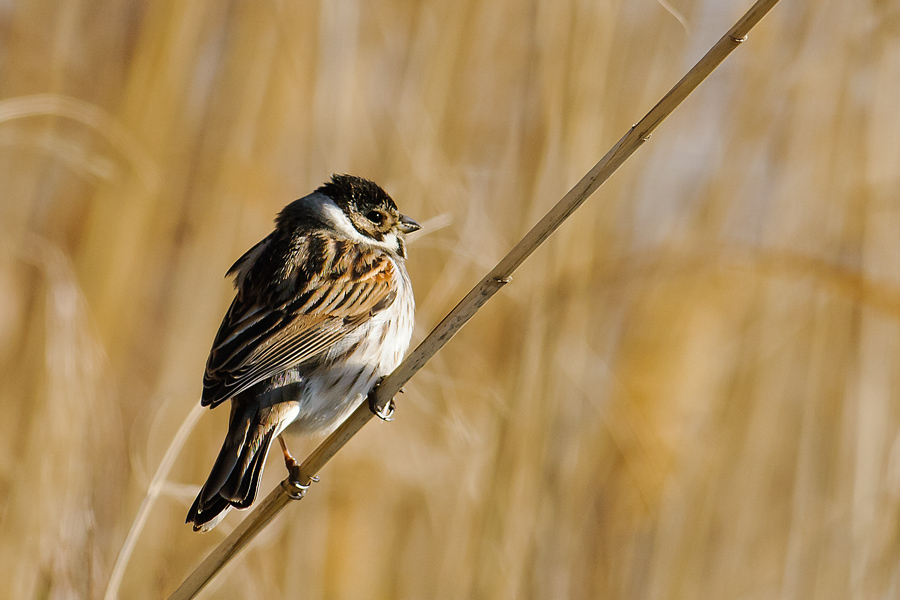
690	392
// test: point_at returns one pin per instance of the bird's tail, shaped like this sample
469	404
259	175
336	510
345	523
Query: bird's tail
234	479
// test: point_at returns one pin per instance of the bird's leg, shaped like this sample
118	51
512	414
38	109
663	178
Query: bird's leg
293	486
289	461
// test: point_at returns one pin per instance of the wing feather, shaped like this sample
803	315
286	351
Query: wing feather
260	338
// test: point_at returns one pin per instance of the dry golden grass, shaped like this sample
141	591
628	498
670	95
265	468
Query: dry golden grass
690	392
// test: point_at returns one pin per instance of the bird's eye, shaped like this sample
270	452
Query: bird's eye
375	216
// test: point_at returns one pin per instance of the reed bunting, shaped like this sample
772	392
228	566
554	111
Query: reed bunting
323	309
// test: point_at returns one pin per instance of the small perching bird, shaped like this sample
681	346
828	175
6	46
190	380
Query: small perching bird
323	309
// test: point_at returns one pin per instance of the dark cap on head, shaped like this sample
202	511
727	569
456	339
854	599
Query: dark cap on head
364	195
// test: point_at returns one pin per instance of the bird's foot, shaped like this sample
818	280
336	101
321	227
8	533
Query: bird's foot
386	412
295	485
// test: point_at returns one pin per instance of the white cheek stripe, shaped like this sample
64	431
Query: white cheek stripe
333	215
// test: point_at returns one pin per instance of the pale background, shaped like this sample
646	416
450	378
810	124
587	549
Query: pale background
690	392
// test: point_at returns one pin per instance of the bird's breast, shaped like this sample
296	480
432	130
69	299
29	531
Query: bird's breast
336	385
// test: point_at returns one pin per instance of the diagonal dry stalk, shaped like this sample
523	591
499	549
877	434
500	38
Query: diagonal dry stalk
473	301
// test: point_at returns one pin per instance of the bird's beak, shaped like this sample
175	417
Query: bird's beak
407	225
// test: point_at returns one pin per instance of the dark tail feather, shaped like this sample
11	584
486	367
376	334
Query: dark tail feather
234	479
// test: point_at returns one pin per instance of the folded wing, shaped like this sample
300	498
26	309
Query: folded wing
269	331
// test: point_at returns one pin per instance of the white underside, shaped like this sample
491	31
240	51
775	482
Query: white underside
332	392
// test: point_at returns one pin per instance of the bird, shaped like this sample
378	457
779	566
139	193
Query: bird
323	309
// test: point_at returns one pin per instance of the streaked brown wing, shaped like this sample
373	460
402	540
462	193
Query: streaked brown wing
256	341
